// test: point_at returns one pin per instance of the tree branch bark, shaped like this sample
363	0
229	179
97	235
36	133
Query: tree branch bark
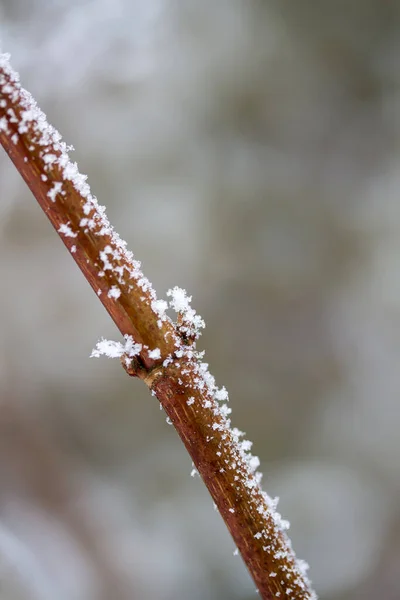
163	356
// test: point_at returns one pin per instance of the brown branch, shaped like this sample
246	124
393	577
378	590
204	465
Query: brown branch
164	354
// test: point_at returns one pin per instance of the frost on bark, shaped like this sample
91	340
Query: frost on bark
161	353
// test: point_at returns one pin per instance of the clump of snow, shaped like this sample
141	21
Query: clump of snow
67	231
113	349
168	361
160	307
114	292
221	394
131	348
155	354
108	348
56	189
3	124
179	300
190	322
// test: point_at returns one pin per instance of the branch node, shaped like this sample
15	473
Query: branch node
135	368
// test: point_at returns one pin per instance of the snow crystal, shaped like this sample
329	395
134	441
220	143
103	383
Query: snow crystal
159	307
49	158
254	463
283	523
67	231
303	566
180	303
113	349
221	395
246	445
168	361
3	124
237	433
56	189
224	410
131	348
108	348
274	502
114	292
155	354
104	255
194	472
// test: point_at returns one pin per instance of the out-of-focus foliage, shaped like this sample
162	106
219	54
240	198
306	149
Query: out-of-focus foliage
250	152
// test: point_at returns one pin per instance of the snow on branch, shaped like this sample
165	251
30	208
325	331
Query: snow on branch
41	156
161	353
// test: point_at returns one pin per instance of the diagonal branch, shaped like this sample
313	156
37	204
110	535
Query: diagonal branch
162	354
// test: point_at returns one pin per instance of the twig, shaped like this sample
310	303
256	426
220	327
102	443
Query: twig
157	351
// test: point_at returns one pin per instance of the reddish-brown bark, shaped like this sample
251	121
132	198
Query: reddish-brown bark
175	378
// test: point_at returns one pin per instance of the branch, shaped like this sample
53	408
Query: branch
159	352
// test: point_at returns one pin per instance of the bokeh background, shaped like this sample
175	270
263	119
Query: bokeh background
248	151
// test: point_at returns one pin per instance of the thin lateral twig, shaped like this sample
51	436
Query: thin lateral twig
161	353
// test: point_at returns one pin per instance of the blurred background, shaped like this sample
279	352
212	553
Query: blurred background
248	151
